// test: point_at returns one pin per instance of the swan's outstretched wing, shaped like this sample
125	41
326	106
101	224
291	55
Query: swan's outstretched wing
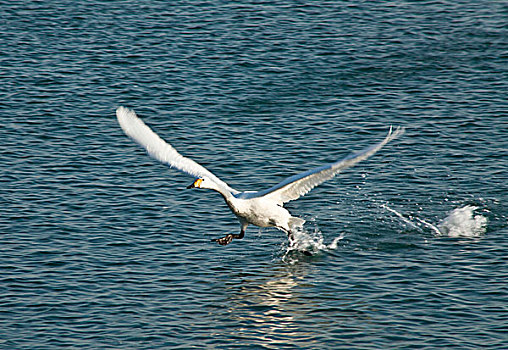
298	185
161	150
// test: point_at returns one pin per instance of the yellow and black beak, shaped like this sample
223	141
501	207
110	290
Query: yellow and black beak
195	184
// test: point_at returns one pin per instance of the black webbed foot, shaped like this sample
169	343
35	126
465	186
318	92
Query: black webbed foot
224	240
229	237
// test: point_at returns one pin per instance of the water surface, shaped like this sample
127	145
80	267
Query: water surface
102	247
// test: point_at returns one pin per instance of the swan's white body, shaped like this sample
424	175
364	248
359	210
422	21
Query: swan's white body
260	208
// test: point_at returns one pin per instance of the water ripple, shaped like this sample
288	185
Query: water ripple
101	247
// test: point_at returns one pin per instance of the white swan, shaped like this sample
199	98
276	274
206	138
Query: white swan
261	208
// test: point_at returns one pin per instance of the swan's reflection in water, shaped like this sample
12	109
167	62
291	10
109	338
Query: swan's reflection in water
286	306
269	310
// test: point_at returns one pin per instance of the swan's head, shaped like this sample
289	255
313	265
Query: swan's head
202	183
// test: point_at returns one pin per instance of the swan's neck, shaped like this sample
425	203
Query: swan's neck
223	192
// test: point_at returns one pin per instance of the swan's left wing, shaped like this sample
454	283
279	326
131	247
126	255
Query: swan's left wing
298	185
160	149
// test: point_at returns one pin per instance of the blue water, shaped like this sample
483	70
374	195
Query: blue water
103	248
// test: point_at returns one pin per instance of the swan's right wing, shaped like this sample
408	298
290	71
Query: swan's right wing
298	185
159	149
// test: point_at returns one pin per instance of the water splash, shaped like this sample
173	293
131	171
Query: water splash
402	217
308	243
462	223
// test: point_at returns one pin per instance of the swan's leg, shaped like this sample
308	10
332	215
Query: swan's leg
229	237
291	238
